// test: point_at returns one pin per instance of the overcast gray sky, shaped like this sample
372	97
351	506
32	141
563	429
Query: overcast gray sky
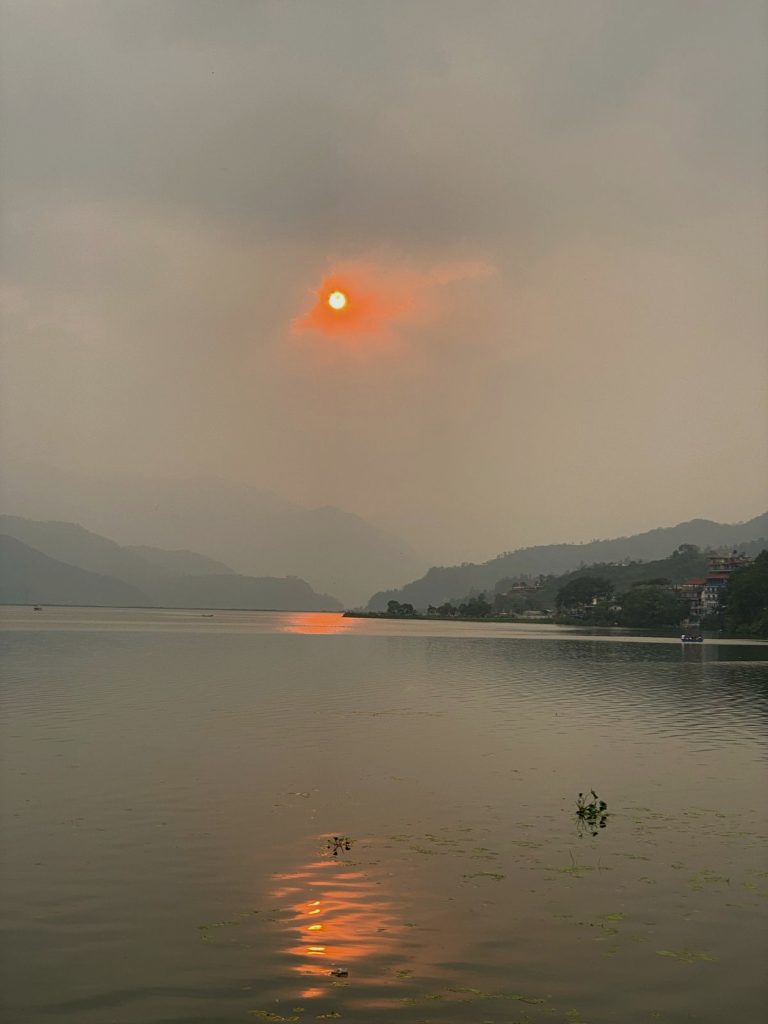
565	202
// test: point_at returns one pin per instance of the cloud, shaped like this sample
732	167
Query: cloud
381	297
182	186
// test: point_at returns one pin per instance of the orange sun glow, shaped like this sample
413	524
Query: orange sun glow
359	300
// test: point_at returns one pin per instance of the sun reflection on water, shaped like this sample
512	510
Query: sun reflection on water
340	922
311	623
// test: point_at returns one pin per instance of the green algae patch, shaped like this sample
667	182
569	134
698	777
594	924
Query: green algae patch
686	956
574	870
702	879
231	922
276	1018
428	997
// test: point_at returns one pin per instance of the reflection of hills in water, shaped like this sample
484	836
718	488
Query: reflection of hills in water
340	921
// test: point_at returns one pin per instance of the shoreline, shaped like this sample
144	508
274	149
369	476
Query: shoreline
666	634
422	617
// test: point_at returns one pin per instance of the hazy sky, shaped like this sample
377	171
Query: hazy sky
557	212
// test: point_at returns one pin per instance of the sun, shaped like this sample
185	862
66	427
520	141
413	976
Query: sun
337	300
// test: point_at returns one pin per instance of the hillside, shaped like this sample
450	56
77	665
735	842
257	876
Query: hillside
63	563
678	568
233	591
450	583
180	562
30	577
249	529
74	545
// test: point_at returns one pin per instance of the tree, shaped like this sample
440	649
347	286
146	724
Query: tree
686	550
395	608
651	607
476	607
503	604
746	599
583	590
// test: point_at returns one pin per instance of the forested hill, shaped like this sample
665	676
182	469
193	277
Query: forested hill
448	583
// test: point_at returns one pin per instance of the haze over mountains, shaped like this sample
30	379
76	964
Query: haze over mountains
62	563
251	530
446	583
49	562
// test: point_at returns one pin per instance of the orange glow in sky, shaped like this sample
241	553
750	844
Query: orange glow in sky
361	299
353	300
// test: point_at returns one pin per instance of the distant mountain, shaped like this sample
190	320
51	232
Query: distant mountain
30	577
74	545
44	557
233	591
181	562
251	530
139	564
454	582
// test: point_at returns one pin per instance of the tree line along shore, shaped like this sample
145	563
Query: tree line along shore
714	591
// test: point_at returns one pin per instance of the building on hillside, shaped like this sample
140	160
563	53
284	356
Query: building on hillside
691	589
521	587
705	593
728	563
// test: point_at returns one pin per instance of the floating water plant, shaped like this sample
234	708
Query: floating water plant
592	814
337	844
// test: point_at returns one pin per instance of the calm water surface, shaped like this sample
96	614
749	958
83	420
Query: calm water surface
170	782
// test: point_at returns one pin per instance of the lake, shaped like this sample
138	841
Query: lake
172	783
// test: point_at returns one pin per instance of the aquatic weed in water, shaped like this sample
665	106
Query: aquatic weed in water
592	814
336	844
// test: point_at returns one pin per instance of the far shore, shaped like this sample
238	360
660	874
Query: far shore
665	632
421	616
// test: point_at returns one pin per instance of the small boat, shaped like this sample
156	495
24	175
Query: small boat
38	608
686	638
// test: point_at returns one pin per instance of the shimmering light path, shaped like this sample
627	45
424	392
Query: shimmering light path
170	782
